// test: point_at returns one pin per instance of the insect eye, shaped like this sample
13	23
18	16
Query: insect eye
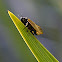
26	18
21	18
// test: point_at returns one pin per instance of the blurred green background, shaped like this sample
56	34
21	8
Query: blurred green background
46	14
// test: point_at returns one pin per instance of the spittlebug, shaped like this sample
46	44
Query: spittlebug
34	28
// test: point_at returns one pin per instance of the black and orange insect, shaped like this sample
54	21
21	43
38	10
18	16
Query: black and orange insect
34	28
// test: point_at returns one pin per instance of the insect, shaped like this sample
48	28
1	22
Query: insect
34	28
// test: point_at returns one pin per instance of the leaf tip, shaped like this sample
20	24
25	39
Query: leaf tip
8	11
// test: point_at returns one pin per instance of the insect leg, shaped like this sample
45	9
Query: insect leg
35	32
26	25
32	32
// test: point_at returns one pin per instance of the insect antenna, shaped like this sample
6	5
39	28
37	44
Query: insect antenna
20	16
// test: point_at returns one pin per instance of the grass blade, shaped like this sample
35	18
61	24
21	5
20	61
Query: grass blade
38	50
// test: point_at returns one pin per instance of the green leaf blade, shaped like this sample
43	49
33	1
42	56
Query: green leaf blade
38	50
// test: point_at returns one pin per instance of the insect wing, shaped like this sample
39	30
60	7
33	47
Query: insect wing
36	27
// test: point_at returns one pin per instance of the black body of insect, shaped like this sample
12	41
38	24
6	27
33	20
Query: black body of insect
34	28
